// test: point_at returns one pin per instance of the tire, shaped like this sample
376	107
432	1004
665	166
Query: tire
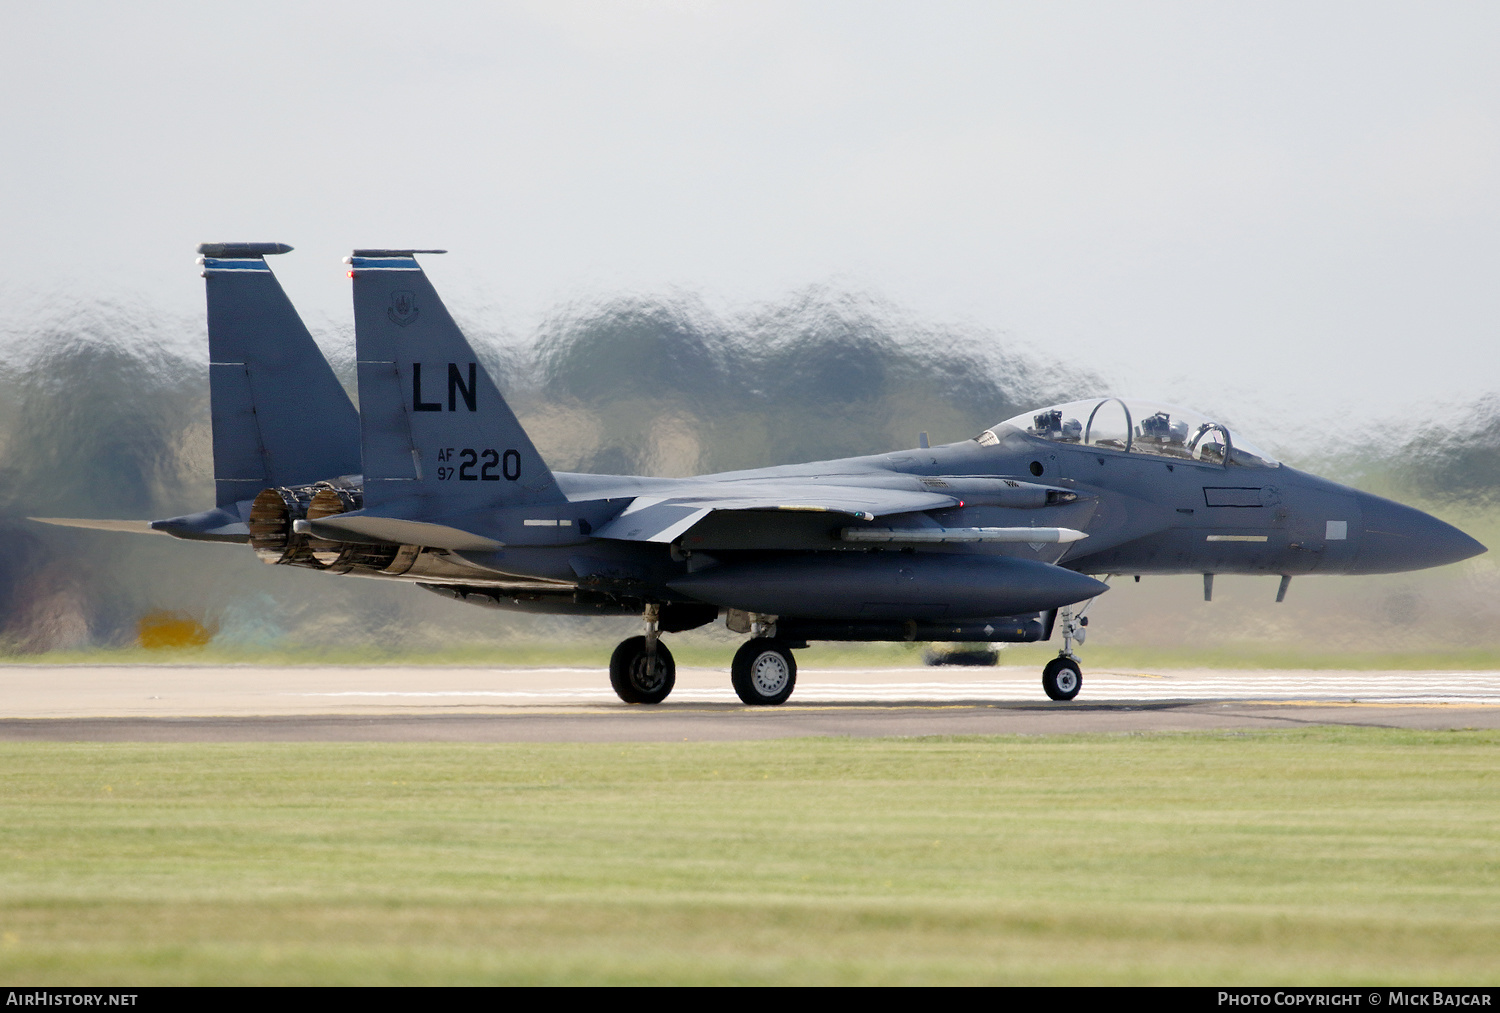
764	672
633	681
1062	678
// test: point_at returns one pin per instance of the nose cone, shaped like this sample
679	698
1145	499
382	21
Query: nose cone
1397	538
1068	587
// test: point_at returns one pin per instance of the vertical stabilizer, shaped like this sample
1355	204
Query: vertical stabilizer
437	436
280	416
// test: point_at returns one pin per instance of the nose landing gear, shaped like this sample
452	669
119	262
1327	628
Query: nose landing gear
1063	676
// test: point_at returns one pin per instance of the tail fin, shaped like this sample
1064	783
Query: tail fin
437	436
280	416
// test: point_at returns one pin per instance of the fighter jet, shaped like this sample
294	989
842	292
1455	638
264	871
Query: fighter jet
1002	538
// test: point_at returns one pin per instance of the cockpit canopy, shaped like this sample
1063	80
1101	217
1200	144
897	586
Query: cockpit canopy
1137	427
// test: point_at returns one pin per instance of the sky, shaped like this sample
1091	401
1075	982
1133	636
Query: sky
1286	212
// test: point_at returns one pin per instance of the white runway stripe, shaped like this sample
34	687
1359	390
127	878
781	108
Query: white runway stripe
877	685
148	691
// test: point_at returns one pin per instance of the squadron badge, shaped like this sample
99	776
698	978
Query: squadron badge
403	308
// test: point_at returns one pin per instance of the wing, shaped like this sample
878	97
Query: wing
666	518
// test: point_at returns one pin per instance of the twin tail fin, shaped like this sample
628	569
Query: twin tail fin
437	437
280	416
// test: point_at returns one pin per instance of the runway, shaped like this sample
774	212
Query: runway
247	703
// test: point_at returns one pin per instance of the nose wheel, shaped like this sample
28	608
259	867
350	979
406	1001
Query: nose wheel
1062	678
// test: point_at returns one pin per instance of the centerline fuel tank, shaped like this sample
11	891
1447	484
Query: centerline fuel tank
889	585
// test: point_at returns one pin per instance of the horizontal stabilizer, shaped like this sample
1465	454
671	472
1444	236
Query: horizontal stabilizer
136	527
216	525
221	524
395	531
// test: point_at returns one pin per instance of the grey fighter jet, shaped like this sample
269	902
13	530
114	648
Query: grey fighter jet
992	540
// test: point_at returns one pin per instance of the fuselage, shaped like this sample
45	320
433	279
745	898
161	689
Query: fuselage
1136	509
1143	514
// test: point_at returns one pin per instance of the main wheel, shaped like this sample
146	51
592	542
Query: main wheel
635	678
1062	678
764	672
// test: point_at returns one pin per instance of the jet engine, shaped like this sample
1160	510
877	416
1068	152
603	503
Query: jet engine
271	517
273	535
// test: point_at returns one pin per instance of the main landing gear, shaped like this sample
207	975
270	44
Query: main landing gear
642	670
763	673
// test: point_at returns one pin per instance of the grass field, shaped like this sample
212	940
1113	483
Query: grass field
1320	856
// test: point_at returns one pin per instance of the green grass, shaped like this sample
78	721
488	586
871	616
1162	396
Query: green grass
1319	856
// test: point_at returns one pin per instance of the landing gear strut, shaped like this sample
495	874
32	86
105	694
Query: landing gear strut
642	669
1063	676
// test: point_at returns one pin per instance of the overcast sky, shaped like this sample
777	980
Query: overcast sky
1274	209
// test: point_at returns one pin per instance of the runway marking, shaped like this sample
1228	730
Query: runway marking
164	691
1339	688
1432	704
565	691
